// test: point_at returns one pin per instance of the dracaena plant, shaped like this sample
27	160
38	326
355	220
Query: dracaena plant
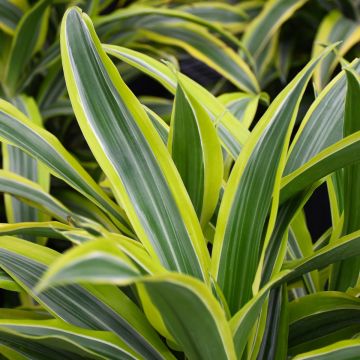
193	241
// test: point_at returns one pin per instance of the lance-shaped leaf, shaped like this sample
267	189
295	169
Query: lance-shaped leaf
91	307
29	37
130	152
41	339
232	134
17	161
334	27
207	48
320	128
346	274
18	130
254	181
320	319
199	158
187	307
342	350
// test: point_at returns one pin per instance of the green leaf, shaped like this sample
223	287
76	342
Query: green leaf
207	48
99	261
89	307
199	159
190	312
16	161
243	321
44	339
344	152
275	338
266	24
19	131
320	319
342	350
226	15
142	174
10	15
23	188
345	247
7	283
232	134
322	125
29	37
334	27
346	274
243	106
253	182
186	305
50	229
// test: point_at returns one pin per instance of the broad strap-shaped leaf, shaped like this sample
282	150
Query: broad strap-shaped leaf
322	125
243	106
29	37
187	307
193	316
17	161
244	320
321	319
229	16
207	48
18	130
274	342
346	274
52	229
143	17
10	15
130	151
232	134
199	159
41	339
343	248
342	350
343	153
99	261
278	243
334	27
264	26
23	188
254	181
91	307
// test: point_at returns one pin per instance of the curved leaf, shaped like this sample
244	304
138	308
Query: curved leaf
254	181
19	131
142	173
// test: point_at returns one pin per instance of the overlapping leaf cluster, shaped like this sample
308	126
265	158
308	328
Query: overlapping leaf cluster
156	226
